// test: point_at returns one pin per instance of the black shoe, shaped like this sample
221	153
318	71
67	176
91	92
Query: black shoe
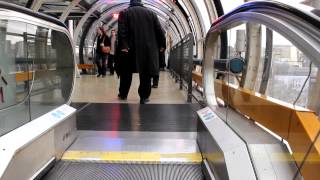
98	75
144	101
154	86
122	97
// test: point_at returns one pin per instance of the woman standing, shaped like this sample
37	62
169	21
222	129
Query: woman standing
103	48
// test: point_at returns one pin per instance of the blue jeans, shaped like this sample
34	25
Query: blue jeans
101	63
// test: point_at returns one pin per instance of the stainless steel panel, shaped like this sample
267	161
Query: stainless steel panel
211	152
262	162
64	135
31	158
207	173
130	141
31	146
225	152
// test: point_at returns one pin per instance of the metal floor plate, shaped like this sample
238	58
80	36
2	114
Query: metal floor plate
133	146
136	117
68	170
126	141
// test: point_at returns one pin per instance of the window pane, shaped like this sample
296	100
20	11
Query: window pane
18	2
229	6
14	76
290	71
53	68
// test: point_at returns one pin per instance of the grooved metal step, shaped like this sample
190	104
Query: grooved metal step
69	170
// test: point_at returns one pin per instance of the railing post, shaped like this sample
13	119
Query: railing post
181	64
189	75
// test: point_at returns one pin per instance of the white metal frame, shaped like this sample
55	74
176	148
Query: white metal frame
27	142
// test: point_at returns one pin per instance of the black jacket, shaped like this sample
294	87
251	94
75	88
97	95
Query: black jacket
140	31
106	41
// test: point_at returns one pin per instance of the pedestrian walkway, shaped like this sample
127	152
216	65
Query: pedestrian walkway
90	89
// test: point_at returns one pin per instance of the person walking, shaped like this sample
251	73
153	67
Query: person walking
141	38
111	56
162	65
103	48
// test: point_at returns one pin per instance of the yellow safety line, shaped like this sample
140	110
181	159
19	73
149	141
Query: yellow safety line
158	157
298	157
131	156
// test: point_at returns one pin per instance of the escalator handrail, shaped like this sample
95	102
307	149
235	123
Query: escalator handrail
273	5
21	9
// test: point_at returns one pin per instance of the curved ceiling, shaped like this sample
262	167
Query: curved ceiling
178	17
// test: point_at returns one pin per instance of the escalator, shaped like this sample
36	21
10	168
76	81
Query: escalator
130	141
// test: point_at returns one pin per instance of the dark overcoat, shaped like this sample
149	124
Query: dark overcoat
139	30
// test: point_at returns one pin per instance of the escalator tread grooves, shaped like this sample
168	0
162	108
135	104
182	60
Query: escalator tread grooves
67	170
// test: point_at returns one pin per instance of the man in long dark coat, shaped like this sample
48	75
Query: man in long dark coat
141	38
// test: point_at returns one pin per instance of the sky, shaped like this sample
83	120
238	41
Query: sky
228	6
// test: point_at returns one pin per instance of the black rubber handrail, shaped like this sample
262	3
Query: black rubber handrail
21	9
309	17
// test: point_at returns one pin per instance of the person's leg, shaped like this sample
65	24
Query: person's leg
125	83
144	87
155	81
122	88
103	65
110	64
98	63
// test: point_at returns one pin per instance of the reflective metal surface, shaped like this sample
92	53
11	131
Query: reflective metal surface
37	68
224	151
135	117
129	141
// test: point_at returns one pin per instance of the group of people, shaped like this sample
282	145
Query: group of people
138	48
105	51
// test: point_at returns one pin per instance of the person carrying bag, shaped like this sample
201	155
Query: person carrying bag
103	48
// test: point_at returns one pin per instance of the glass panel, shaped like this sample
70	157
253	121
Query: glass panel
204	14
15	78
268	102
273	100
227	6
235	50
51	52
90	1
315	4
291	73
18	2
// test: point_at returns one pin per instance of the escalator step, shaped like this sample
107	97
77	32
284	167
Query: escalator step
69	170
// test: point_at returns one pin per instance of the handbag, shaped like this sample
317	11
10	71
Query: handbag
105	49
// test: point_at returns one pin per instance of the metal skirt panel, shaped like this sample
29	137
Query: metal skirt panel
67	170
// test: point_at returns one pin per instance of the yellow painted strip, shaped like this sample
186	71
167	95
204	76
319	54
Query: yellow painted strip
299	157
131	156
157	157
192	157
